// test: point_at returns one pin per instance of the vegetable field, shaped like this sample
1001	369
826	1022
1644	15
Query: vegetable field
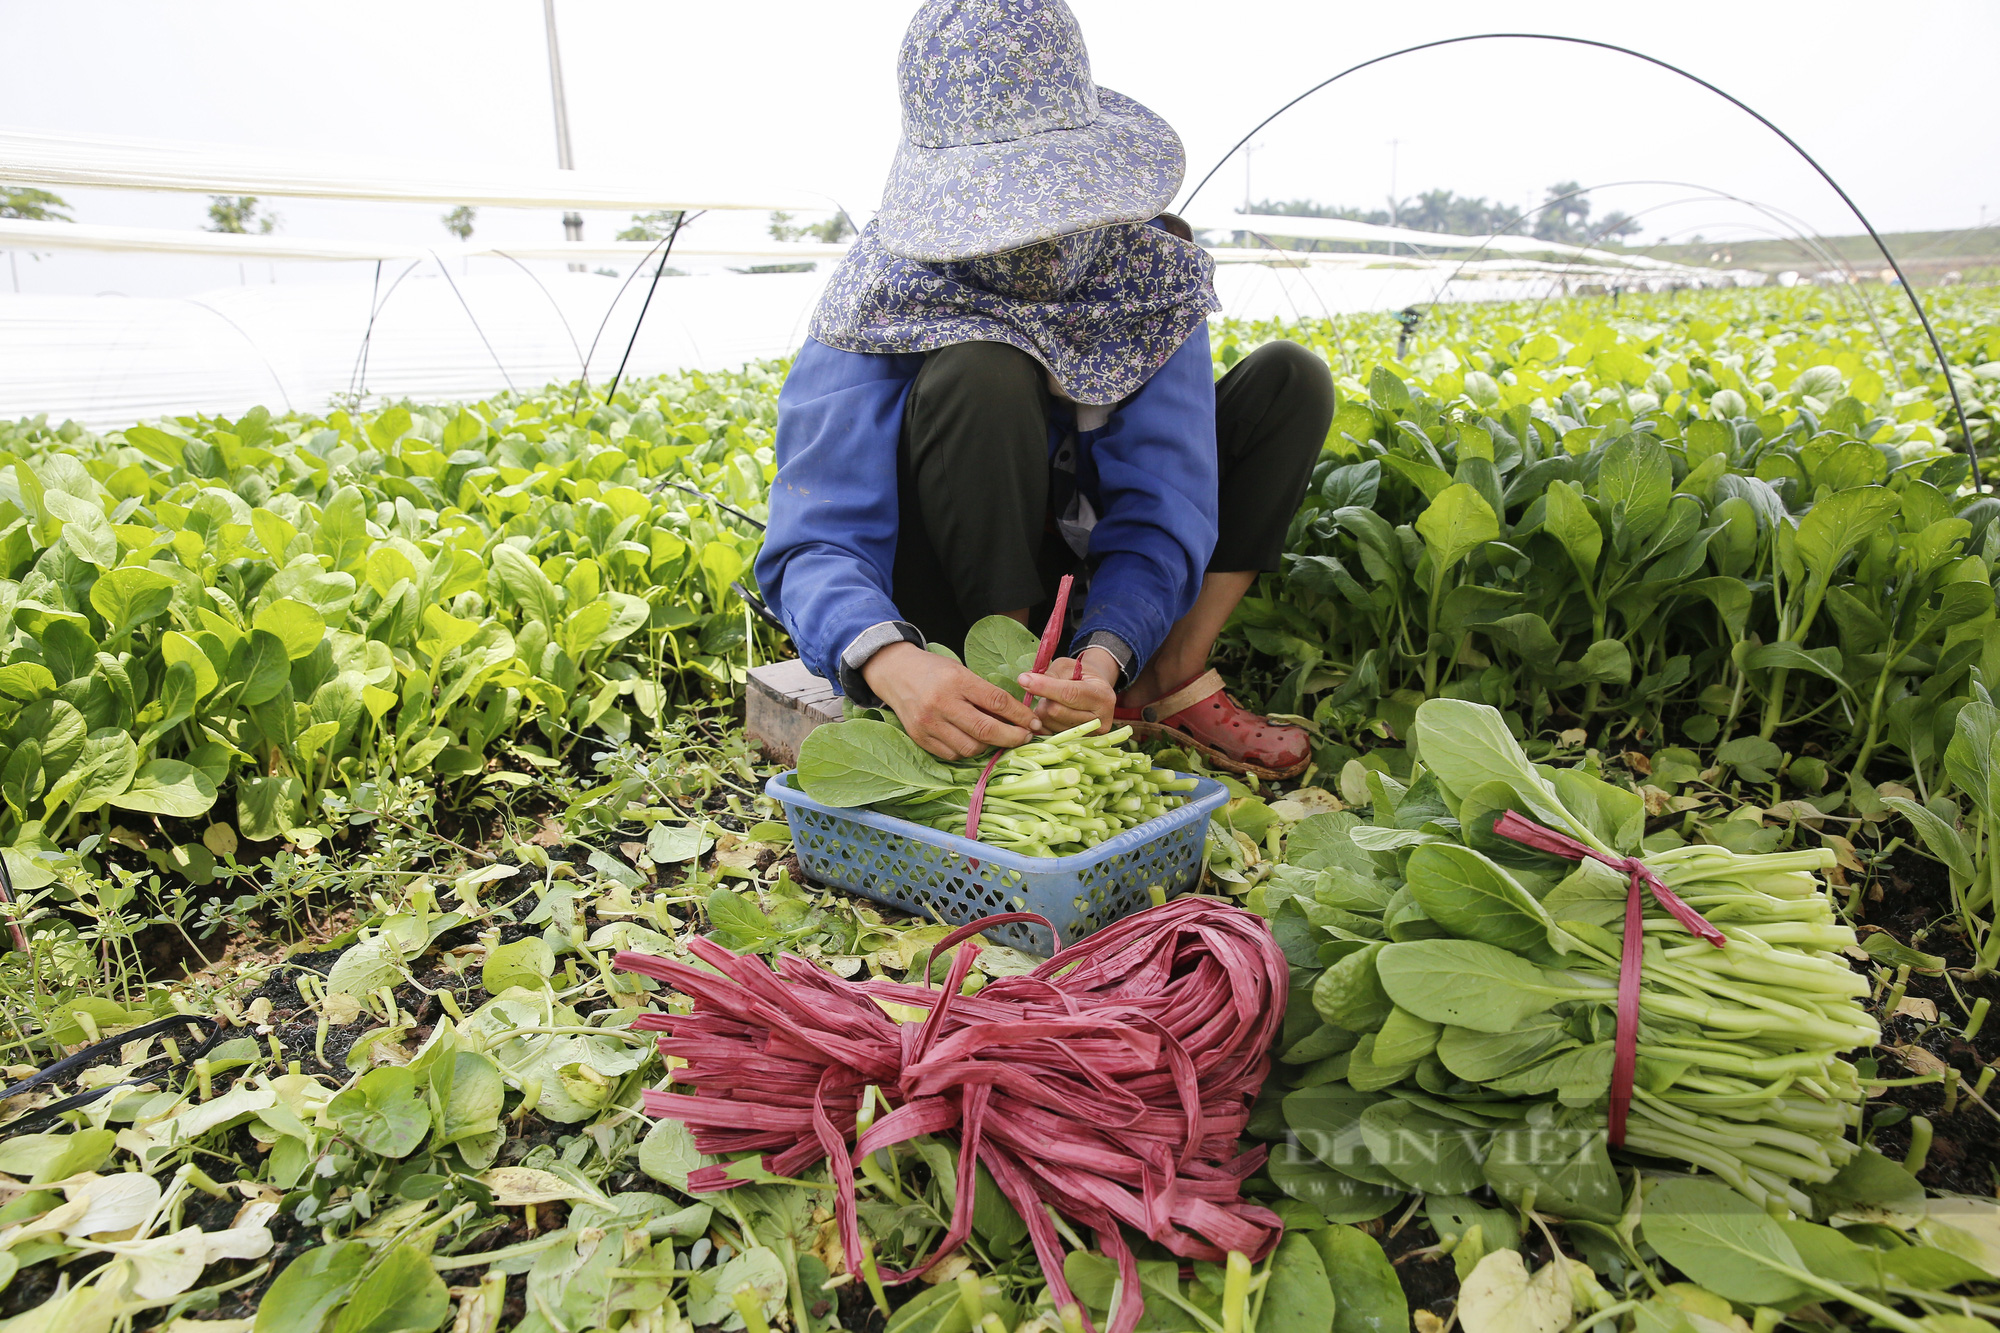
342	756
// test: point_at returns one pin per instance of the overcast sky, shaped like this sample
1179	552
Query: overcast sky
1896	100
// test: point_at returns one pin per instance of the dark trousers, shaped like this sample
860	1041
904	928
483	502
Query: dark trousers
976	537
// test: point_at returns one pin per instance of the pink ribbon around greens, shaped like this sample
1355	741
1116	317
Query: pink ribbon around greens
1625	1050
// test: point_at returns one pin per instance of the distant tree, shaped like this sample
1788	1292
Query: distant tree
1617	225
30	205
239	215
1434	210
459	221
650	226
1565	216
1564	212
830	232
1302	208
1461	215
1308	208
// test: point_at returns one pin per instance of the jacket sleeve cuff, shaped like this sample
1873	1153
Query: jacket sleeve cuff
864	646
1120	651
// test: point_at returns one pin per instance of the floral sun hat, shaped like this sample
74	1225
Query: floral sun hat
1007	140
1017	210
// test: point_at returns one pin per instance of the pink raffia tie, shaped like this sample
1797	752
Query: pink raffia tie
1111	1085
1043	656
1625	1050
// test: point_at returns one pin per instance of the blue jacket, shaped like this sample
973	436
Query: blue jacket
1150	473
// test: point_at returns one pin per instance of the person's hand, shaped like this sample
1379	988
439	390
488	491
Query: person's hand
1062	702
947	709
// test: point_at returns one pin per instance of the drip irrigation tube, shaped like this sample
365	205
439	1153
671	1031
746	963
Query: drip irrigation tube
90	1054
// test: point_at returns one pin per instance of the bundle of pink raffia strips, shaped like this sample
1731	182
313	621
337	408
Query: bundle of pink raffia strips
1111	1083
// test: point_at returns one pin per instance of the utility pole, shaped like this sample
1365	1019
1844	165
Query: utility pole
1395	209
1249	151
572	222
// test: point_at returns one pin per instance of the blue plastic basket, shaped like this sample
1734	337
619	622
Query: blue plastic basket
927	873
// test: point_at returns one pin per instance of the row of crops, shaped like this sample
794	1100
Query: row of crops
366	740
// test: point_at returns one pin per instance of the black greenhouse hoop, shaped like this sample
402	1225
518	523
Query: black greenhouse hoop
1923	316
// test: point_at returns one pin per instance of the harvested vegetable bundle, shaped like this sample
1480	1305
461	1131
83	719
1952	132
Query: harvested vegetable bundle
1050	797
1470	1020
1110	1083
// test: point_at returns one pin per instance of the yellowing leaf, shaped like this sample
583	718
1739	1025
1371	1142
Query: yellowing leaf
1457	523
116	1203
513	1186
1499	1296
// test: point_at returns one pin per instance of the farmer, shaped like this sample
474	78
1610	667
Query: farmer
1008	380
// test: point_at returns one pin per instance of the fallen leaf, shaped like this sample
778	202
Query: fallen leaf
1915	1006
341	1008
1918	1060
1658	802
1843	851
1573	737
1498	1296
1306	802
1967	1227
166	1266
513	1186
1426	1322
1704	1311
1000	961
116	1203
256	1212
949	1270
240	1102
670	844
737	852
550	834
902	1013
1639	763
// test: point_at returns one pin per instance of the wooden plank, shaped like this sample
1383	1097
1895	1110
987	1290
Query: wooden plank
786	701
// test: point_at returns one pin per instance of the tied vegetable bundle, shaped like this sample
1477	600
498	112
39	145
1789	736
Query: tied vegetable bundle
1051	797
1456	1016
1110	1084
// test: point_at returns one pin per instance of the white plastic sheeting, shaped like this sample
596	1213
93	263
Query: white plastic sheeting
109	361
28	158
16	234
1340	229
